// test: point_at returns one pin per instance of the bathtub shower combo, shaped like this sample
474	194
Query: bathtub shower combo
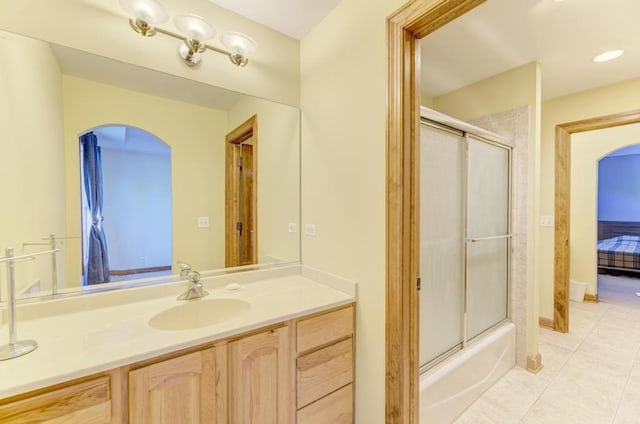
466	339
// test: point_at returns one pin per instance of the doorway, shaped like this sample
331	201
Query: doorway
413	21
125	205
562	265
241	182
605	203
618	200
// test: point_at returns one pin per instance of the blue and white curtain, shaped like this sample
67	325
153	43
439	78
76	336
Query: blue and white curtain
97	266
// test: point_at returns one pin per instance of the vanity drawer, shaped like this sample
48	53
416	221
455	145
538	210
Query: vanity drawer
324	371
322	329
336	408
87	402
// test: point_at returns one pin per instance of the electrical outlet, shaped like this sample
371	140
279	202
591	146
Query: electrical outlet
203	222
310	229
293	227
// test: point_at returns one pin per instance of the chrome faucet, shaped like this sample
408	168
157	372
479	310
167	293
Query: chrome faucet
195	290
185	268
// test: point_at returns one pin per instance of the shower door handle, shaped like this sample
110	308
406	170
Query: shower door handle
476	239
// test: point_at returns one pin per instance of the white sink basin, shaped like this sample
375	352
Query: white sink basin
198	313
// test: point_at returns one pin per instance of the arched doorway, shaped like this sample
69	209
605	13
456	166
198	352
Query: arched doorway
125	177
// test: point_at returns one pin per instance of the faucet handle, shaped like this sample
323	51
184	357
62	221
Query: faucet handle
185	268
194	277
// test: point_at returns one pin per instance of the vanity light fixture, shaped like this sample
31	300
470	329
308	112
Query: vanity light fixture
608	55
147	14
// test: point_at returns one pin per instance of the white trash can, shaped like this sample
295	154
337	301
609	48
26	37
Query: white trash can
577	289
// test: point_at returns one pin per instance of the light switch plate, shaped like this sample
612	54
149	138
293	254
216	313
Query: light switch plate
310	229
203	222
546	221
293	227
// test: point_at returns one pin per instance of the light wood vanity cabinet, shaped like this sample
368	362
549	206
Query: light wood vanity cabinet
260	384
299	371
325	349
177	390
93	400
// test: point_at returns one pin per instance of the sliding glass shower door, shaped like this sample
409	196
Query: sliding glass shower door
487	235
464	239
442	233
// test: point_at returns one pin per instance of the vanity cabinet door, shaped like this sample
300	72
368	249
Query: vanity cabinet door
85	402
178	390
260	378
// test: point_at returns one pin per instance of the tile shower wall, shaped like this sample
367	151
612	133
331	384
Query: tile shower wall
514	124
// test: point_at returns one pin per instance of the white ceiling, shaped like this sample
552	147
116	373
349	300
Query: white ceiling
563	36
294	18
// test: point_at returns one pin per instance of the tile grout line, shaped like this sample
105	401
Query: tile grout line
626	384
555	376
546	386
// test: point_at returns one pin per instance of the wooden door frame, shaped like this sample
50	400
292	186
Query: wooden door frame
243	132
562	205
405	27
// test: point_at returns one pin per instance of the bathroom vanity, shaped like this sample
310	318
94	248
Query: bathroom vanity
288	358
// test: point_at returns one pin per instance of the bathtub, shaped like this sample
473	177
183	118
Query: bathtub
449	388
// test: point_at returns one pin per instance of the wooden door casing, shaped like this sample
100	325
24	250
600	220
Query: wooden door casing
246	208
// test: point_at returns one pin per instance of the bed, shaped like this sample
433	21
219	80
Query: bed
618	246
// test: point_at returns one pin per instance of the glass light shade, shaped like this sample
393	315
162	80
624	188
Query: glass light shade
194	27
149	11
238	43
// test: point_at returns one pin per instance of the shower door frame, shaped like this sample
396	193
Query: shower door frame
508	236
468	135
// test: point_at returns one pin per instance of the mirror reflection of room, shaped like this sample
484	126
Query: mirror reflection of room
151	218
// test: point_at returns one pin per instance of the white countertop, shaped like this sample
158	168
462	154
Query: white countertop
87	340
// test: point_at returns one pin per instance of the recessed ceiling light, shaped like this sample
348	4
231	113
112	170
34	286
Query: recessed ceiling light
607	56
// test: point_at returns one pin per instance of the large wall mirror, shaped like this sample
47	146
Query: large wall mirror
162	146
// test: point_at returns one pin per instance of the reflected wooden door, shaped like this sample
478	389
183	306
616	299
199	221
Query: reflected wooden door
245	185
241	244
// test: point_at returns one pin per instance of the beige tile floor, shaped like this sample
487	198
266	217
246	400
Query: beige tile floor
590	375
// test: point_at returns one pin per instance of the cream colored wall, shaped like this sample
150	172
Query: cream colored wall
586	150
504	91
592	103
196	137
278	175
101	27
31	155
343	98
520	86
